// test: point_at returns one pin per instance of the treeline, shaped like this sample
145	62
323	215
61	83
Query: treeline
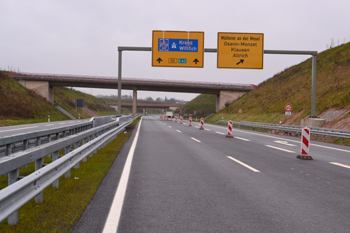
148	99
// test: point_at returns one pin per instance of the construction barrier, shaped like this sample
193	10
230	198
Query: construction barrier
305	144
202	124
180	119
229	130
190	124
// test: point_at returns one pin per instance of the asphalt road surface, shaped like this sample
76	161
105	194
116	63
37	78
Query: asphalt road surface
182	179
19	129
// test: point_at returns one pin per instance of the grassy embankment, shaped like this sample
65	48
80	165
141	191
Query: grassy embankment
65	97
203	104
21	106
293	86
63	207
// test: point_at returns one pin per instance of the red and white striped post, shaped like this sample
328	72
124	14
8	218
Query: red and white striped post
305	144
229	129
180	119
202	124
190	124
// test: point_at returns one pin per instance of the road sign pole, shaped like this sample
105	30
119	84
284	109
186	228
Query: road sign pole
120	51
313	87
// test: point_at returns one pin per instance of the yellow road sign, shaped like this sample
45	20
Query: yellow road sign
240	50
178	49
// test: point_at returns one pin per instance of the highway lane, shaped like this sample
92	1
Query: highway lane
183	179
19	129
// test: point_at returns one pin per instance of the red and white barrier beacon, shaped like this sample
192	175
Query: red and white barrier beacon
190	124
229	129
202	124
305	145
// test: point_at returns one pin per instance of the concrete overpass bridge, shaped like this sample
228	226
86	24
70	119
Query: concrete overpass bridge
146	105
43	84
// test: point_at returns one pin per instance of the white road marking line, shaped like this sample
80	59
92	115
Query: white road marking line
277	148
170	126
284	143
327	147
220	133
268	136
243	164
207	129
113	218
8	130
49	125
178	131
195	139
62	123
244	139
340	164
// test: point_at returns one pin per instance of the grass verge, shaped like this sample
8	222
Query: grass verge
63	207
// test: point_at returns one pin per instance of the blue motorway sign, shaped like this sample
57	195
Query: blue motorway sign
177	45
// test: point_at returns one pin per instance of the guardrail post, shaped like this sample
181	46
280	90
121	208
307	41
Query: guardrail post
12	178
38	141
8	149
38	165
55	156
67	150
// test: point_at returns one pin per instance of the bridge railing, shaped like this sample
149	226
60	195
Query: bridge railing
20	191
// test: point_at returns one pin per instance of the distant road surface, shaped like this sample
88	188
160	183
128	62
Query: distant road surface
183	179
18	129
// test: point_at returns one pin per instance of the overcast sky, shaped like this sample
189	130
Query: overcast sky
81	37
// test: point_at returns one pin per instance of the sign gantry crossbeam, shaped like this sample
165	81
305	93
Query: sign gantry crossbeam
213	50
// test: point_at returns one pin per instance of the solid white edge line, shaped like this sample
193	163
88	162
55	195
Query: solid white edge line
243	164
277	148
113	218
178	131
195	139
340	165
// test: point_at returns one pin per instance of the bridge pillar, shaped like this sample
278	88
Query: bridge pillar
41	88
226	97
134	103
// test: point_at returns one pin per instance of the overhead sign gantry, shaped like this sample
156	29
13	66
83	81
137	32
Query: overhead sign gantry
177	49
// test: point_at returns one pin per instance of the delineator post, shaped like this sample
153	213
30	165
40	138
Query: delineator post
229	129
305	145
202	124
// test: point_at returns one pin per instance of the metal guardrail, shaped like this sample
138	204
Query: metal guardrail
14	143
292	129
20	191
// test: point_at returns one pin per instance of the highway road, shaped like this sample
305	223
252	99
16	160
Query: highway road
18	129
175	178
